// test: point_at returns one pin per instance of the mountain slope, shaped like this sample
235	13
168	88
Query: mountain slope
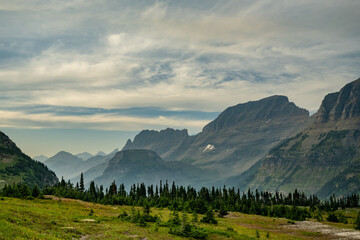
65	164
322	159
242	134
138	165
95	167
15	166
234	141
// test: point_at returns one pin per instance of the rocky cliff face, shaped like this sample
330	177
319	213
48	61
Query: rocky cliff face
322	159
340	106
15	166
234	141
165	142
267	109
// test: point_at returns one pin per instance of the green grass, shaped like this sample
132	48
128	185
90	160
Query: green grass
63	219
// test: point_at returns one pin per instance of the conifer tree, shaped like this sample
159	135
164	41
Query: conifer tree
35	191
209	217
357	222
82	187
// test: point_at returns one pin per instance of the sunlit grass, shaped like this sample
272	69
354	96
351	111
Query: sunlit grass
64	219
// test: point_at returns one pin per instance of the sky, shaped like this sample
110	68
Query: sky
87	75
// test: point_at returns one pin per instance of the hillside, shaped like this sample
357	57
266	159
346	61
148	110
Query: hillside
323	159
234	141
15	166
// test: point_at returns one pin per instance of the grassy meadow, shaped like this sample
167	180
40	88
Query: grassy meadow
55	218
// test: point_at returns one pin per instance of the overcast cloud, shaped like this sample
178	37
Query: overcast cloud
181	62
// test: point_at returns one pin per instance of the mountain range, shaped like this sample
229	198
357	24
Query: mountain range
323	159
71	166
234	141
269	144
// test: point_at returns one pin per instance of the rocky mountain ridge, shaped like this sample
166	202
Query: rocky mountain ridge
234	141
323	159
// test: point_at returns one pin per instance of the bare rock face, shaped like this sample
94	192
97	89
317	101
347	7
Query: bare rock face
165	142
322	159
341	105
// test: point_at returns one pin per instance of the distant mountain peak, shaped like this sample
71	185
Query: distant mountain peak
41	158
100	153
84	155
63	153
64	163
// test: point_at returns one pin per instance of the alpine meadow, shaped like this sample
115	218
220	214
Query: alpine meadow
179	119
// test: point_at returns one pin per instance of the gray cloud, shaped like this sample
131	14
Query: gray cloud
197	56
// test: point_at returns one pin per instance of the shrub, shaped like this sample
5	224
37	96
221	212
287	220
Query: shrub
332	218
209	217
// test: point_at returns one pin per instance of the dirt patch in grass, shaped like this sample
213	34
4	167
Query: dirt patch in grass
88	220
333	232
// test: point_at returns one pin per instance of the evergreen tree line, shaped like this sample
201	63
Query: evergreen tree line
294	206
21	190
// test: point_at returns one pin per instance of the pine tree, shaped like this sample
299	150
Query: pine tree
357	222
82	187
92	191
35	191
209	217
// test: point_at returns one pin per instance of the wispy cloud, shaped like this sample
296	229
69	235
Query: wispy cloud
191	56
99	121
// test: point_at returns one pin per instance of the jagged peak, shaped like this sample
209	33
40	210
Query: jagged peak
341	105
165	132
